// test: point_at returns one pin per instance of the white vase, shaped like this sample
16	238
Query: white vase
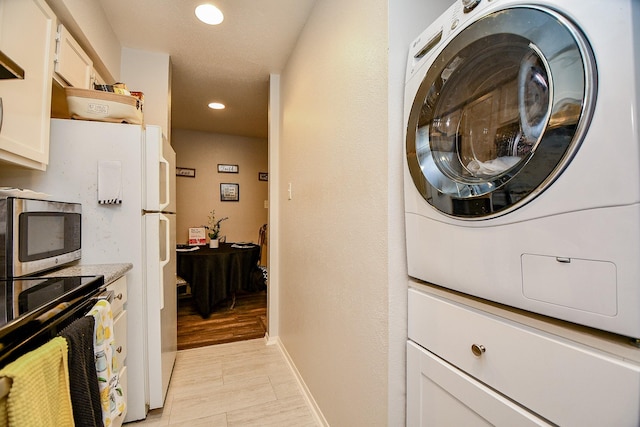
213	243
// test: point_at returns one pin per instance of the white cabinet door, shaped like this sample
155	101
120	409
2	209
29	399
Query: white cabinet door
27	36
72	65
543	372
438	394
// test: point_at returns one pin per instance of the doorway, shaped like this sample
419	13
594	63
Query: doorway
246	320
242	317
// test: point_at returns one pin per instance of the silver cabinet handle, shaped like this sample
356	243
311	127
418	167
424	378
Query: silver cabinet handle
478	349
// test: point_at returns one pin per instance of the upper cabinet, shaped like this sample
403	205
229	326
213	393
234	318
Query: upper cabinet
27	36
73	67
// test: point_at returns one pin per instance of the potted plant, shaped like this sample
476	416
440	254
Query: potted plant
213	229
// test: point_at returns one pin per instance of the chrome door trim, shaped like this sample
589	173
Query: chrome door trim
481	198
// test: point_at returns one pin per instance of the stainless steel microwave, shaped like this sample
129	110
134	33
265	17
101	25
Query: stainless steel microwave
37	235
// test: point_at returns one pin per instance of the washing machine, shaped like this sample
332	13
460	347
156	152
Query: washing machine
522	175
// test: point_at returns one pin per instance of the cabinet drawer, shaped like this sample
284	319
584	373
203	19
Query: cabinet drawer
119	288
120	335
565	382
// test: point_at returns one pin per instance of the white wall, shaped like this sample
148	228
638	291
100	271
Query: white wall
196	197
333	232
273	295
150	73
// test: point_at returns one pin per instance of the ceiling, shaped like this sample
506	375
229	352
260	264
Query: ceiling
228	63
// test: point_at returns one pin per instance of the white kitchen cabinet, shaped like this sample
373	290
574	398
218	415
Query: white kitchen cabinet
118	309
27	36
439	394
481	363
73	67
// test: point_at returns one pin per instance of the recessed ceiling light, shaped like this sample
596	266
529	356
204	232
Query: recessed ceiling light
216	106
209	14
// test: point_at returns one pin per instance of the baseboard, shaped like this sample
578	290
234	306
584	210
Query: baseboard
270	341
315	409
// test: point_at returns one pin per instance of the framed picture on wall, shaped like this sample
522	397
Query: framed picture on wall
188	172
229	192
227	168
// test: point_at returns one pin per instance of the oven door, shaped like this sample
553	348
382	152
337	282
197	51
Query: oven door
500	113
34	309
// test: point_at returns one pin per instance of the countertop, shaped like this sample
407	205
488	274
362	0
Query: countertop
111	272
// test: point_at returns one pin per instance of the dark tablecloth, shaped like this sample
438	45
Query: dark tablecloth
216	274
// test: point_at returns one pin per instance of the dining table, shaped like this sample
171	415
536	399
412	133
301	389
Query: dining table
217	274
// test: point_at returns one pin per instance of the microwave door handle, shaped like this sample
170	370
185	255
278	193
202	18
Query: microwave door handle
167	257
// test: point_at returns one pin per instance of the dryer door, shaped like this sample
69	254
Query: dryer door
500	112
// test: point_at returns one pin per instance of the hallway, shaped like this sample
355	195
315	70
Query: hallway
246	383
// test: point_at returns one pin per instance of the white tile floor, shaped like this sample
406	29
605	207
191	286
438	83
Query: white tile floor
246	383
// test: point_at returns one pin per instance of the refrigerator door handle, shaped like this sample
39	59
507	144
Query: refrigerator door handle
167	255
167	193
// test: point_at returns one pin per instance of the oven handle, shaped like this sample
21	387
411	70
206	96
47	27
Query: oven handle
105	295
5	386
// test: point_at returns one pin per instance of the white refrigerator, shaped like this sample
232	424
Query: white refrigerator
124	176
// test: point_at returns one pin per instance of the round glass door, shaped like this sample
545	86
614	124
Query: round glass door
500	112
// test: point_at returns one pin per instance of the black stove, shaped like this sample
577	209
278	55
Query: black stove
35	309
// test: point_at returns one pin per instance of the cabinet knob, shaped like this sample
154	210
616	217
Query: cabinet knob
119	349
119	296
477	349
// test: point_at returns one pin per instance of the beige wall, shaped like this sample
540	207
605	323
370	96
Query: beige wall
196	197
333	284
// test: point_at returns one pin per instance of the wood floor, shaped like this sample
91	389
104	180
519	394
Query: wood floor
247	320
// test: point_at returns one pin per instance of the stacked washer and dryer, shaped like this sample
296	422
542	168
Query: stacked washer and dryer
522	177
522	187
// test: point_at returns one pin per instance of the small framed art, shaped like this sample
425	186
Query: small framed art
229	192
188	172
227	168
